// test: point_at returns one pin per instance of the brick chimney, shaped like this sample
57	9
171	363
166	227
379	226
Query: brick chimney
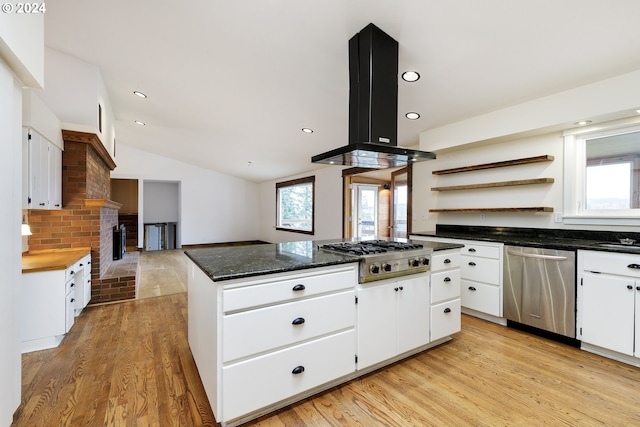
87	216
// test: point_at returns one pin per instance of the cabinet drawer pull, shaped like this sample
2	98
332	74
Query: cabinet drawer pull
472	264
471	288
72	300
447	310
636	266
72	272
72	285
447	261
472	250
298	370
298	321
629	287
298	287
447	279
637	288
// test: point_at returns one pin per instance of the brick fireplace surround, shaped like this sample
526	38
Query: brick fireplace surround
87	216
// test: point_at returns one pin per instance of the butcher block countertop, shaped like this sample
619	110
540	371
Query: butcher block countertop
57	259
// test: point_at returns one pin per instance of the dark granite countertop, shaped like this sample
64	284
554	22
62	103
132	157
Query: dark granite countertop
539	237
235	262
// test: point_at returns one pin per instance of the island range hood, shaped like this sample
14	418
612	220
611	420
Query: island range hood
373	106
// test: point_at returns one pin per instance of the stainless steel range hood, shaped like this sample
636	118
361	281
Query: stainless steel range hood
373	106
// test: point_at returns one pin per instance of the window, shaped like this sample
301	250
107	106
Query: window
295	205
602	179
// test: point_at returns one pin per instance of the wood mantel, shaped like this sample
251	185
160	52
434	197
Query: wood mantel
94	141
102	203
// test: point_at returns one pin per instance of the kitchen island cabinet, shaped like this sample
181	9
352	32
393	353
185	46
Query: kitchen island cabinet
269	325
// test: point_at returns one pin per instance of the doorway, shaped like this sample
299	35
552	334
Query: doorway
376	203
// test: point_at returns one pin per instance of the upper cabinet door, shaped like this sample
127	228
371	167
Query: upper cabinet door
44	172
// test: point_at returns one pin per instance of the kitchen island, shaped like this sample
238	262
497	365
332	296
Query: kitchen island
271	324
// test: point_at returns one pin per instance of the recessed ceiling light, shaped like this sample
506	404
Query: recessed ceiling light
140	94
307	130
412	116
582	122
410	76
140	123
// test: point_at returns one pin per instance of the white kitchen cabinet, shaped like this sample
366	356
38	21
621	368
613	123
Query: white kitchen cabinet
445	309
47	308
480	277
44	172
269	339
393	318
82	282
609	304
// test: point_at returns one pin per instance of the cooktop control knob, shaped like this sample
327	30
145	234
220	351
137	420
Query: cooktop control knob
424	261
386	266
413	262
374	268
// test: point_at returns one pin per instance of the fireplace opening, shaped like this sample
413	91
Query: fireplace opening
119	241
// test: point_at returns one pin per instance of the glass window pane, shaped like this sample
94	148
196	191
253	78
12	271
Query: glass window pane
295	205
609	186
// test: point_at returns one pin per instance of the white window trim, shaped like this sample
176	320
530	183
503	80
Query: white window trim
574	176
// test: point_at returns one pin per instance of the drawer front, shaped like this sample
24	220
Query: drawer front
481	297
85	265
445	319
279	290
255	383
607	262
445	261
71	272
69	311
482	251
445	285
480	269
255	331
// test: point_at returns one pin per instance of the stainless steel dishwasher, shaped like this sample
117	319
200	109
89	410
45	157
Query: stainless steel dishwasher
540	288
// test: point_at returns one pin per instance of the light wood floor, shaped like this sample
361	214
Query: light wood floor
129	364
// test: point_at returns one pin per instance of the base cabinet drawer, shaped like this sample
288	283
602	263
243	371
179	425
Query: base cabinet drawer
480	269
445	285
261	381
445	319
481	297
255	331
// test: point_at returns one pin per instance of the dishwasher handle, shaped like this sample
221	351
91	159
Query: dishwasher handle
539	256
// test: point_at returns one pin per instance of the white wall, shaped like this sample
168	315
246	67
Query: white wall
214	207
74	90
328	205
22	46
530	129
11	243
161	201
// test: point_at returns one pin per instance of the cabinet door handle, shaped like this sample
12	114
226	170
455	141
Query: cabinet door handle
72	285
629	287
471	288
298	287
73	300
472	249
447	310
447	279
298	321
447	261
472	264
637	288
298	370
636	266
395	289
401	287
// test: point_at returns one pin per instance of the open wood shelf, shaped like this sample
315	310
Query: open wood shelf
523	161
524	209
495	184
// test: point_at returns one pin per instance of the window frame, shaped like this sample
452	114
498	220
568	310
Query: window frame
575	166
291	183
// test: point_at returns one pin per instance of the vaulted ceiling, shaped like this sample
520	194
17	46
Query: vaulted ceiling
230	84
